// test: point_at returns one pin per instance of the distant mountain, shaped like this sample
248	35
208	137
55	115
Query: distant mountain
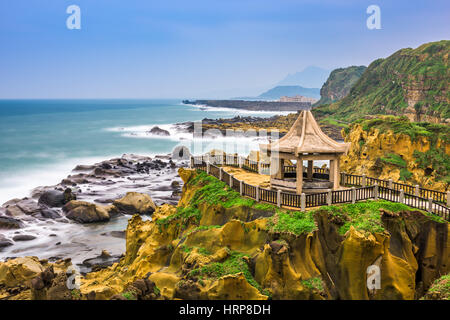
411	82
279	91
310	77
339	83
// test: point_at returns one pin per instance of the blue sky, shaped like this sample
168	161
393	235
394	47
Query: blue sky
196	48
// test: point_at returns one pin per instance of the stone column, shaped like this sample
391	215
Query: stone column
241	187
337	173
309	174
430	205
353	195
330	197
279	198
257	194
401	196
299	175
448	198
375	191
303	202
417	190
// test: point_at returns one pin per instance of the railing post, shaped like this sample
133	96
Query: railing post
402	196
259	167
391	184
191	163
240	161
417	190
241	187
208	157
231	181
279	198
208	167
303	202
330	197
448	198
375	191
353	195
257	194
430	205
364	180
220	173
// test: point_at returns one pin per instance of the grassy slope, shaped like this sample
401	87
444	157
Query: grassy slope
339	83
381	88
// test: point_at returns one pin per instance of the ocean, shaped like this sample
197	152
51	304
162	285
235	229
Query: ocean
41	141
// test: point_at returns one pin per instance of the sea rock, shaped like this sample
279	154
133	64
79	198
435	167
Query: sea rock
159	132
55	198
85	212
5	242
10	223
50	213
28	206
17	272
24	237
135	202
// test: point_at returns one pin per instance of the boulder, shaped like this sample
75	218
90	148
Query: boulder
159	132
29	206
50	214
85	212
135	202
4	242
23	237
10	223
19	271
55	198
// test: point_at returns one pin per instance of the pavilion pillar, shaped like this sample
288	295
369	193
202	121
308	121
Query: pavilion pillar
331	175
280	172
309	174
336	173
299	181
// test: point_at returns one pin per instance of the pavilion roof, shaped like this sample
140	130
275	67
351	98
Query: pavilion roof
305	136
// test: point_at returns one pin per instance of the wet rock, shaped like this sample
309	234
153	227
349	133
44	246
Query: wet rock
104	260
28	206
23	237
4	242
159	132
134	203
84	168
50	213
115	234
10	223
54	198
85	212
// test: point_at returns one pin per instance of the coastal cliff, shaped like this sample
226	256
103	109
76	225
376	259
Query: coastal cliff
216	244
394	148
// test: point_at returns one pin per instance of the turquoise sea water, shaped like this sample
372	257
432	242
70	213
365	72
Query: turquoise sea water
42	140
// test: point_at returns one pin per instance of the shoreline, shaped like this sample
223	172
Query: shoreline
32	228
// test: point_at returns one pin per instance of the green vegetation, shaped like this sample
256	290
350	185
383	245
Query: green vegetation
435	159
383	87
156	290
363	216
129	295
339	83
201	250
314	284
234	264
441	288
395	159
211	191
295	222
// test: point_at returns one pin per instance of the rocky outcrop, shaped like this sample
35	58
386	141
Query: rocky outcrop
339	83
395	148
159	132
85	212
55	198
134	202
204	249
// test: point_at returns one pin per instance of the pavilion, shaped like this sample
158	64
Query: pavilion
304	141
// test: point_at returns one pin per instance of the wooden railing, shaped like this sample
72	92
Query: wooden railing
303	201
346	179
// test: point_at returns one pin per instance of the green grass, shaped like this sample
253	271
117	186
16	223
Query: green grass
211	191
295	222
363	216
156	290
394	159
129	295
234	264
314	284
441	287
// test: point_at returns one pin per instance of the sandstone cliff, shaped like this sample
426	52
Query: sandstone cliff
395	148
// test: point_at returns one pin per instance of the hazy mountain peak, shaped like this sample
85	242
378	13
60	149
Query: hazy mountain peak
310	77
